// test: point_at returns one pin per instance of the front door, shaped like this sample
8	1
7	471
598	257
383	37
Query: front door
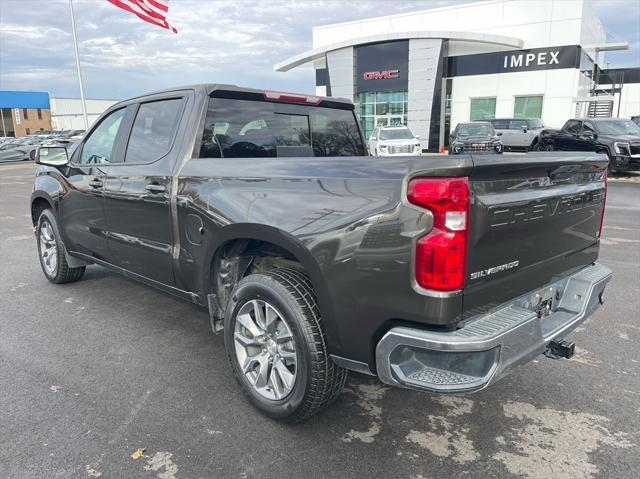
138	192
81	208
518	133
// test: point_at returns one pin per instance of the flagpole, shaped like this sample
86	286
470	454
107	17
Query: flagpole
75	46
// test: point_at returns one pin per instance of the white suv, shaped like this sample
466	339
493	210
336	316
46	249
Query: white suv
394	141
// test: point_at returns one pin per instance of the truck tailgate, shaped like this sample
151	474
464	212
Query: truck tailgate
533	219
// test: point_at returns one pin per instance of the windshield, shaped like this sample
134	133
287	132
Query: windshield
475	129
618	127
396	134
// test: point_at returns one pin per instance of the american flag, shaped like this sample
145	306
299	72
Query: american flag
152	11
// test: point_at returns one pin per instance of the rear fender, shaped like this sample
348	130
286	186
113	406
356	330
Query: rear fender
284	240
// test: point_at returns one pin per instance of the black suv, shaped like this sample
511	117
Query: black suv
619	139
474	137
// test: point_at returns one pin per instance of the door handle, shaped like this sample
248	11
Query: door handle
95	183
155	188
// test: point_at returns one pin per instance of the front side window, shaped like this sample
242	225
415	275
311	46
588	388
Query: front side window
517	124
588	128
528	107
237	128
500	124
153	130
98	147
483	108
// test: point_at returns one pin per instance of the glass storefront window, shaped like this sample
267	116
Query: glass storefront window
381	109
483	108
528	107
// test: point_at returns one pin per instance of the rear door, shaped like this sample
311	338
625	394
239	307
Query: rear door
532	219
502	126
137	192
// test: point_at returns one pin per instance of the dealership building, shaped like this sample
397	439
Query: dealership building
432	69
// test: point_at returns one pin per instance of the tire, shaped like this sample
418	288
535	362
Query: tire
547	147
317	379
610	167
54	262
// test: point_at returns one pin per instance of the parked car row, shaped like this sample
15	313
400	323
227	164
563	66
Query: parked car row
617	138
24	147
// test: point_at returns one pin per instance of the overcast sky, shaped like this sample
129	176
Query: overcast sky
218	41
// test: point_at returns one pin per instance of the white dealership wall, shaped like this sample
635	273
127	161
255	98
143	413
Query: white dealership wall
629	101
66	113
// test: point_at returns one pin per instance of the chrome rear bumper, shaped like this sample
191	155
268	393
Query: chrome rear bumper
488	346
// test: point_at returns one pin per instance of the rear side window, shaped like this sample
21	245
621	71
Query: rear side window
153	130
251	129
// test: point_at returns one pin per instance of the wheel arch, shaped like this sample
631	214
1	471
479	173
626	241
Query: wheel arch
40	201
243	243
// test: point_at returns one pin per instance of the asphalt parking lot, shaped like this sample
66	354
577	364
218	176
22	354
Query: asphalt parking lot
92	371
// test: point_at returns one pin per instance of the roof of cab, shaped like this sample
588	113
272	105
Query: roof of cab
211	87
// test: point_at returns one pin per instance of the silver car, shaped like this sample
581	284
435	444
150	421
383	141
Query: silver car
394	140
518	133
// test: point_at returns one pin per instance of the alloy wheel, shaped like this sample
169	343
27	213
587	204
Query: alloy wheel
265	349
48	248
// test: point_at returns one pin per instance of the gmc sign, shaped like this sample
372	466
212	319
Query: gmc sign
380	75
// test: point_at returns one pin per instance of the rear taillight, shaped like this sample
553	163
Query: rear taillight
604	203
441	254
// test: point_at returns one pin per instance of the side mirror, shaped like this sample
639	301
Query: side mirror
52	156
499	133
373	138
417	137
524	128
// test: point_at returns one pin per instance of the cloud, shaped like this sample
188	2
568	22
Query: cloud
218	41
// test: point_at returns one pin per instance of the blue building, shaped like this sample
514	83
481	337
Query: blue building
24	112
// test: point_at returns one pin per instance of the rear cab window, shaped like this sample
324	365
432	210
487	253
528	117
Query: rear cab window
248	128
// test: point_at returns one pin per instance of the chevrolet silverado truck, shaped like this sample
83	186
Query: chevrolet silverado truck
616	138
437	273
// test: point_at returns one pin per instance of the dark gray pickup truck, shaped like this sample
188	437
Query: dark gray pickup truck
438	273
